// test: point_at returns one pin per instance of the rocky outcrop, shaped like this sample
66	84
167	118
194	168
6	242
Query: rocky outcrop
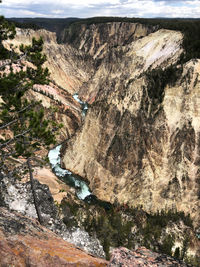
58	189
142	257
16	196
24	242
140	141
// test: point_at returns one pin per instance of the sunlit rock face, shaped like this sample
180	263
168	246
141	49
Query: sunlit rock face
121	67
134	149
66	64
97	39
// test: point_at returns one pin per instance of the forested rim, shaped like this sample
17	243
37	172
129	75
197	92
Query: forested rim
50	24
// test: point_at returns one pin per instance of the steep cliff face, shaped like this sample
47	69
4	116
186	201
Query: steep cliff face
140	141
122	65
97	39
65	63
139	144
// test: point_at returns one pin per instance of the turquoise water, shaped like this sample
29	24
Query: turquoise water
82	189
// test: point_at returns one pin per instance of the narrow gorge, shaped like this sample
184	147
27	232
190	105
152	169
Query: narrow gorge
130	109
139	144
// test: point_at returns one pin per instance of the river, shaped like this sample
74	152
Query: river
82	189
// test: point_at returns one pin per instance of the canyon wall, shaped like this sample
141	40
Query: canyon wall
67	73
139	144
96	40
66	64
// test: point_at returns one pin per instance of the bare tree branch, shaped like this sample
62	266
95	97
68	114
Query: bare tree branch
33	191
8	124
14	138
8	61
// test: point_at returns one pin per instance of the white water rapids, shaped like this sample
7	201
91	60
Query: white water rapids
82	190
83	104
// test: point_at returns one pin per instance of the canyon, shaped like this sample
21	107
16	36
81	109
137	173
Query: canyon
135	148
139	144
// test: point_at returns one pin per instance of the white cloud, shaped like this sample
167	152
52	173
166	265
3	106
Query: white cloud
66	3
88	8
58	12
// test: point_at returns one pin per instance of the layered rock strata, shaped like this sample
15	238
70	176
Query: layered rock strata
66	64
97	39
140	146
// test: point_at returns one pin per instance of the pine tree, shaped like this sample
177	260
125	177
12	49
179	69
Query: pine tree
7	31
25	120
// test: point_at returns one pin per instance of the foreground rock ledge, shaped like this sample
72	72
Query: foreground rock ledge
23	242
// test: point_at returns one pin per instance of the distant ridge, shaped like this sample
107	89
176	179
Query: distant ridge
50	24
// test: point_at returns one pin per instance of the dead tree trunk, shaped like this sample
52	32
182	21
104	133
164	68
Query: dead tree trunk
33	191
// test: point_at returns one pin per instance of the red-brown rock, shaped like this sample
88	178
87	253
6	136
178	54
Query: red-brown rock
23	242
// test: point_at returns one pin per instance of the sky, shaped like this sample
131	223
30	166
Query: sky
91	8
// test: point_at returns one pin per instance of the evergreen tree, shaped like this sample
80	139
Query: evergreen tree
7	31
25	120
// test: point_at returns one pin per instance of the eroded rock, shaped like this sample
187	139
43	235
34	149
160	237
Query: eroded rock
26	243
66	64
139	146
17	197
97	39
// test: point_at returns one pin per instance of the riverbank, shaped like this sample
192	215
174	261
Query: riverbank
81	188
